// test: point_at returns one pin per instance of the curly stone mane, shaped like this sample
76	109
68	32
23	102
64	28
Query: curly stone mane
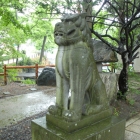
79	21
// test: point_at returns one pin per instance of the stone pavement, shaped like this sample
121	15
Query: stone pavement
16	108
132	131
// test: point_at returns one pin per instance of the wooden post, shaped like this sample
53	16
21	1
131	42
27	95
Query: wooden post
36	72
5	76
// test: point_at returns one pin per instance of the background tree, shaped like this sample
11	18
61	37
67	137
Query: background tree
116	23
40	20
12	32
42	31
120	21
29	17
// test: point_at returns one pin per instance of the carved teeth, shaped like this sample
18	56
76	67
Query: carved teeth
69	115
58	34
66	114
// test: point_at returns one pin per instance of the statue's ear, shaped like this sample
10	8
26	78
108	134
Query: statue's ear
72	17
80	20
58	25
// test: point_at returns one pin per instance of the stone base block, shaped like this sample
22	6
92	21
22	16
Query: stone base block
112	128
74	126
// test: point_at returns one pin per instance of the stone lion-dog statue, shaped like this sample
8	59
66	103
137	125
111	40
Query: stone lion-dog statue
76	71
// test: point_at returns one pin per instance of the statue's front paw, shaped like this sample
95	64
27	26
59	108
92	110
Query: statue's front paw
71	116
55	110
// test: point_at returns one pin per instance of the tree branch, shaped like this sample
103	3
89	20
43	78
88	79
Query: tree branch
104	41
116	10
133	27
100	9
133	16
105	24
134	57
136	48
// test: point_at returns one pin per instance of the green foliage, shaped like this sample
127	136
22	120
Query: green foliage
28	82
4	56
134	83
8	17
35	61
121	96
12	31
100	22
25	61
131	71
43	28
1	68
116	112
12	74
11	36
41	25
131	101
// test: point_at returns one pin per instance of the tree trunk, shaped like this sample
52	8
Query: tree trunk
87	8
18	44
17	55
42	49
123	78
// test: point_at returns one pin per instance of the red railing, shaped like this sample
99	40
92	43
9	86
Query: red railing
36	66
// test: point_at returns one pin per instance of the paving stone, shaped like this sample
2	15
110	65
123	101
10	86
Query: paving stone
33	89
131	136
137	122
22	85
6	93
132	120
133	128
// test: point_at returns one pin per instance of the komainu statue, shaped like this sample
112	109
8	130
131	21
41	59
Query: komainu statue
76	71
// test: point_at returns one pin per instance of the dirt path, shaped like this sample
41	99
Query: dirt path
126	109
14	88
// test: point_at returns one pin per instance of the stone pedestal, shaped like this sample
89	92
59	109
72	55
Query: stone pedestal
111	128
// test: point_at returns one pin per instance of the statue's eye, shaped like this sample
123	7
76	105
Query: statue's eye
60	34
71	32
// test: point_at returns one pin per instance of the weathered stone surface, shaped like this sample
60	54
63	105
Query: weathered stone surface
6	93
33	89
74	126
108	129
47	77
76	70
134	128
110	80
82	110
102	53
133	120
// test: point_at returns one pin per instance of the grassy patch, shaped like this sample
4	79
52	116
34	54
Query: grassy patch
134	83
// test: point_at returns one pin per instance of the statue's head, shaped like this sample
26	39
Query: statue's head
71	29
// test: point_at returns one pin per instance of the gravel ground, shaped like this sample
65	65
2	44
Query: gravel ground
21	130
